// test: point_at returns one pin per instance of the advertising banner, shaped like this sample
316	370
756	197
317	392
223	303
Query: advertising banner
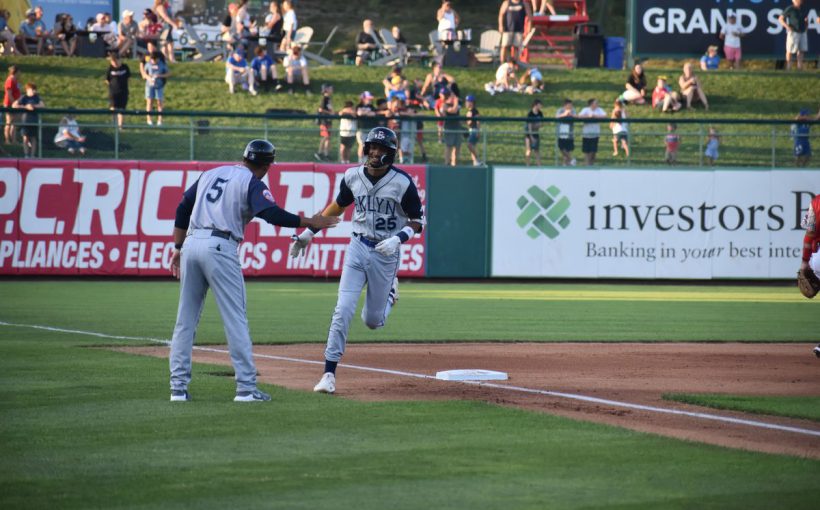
688	27
68	217
649	223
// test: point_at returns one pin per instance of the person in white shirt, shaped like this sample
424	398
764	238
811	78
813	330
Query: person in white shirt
731	34
504	79
591	131
289	25
448	20
68	135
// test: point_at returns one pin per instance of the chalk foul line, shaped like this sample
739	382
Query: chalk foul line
518	389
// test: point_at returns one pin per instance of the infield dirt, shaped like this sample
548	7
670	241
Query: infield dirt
637	373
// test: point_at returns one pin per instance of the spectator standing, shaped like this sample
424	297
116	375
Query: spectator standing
366	114
11	93
690	87
672	142
620	129
66	33
162	8
795	19
238	72
155	73
591	131
31	102
117	78
665	97
347	131
227	30
731	34
473	127
325	108
635	86
264	69
710	60
532	135
448	20
296	67
289	25
511	19
68	135
274	22
566	134
801	131
712	145
365	43
452	127
6	33
128	33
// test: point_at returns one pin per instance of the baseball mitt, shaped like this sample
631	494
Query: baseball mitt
808	283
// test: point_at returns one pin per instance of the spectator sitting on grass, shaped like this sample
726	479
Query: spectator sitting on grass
296	67
635	86
264	69
690	87
504	79
531	82
710	60
395	85
237	72
664	96
68	135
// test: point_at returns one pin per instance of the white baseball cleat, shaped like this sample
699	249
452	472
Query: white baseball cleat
393	296
327	384
817	351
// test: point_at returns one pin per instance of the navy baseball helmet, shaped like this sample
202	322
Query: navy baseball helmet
260	152
387	139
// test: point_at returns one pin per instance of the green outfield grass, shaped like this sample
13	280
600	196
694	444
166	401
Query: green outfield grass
793	407
84	427
431	312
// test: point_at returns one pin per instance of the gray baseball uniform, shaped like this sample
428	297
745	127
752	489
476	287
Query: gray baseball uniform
382	207
215	211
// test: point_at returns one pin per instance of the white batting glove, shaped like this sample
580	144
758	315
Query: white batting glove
388	246
300	242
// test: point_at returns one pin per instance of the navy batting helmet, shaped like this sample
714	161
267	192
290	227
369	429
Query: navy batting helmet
387	139
260	152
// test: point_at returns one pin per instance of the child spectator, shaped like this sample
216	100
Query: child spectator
473	126
672	143
504	79
347	131
712	144
237	71
68	135
531	82
731	34
664	96
591	131
710	60
366	114
532	138
155	73
325	108
30	120
117	79
395	84
800	131
264	69
11	93
296	67
620	129
566	136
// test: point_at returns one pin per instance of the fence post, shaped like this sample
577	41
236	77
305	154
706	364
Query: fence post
484	146
40	136
700	144
116	137
774	142
191	137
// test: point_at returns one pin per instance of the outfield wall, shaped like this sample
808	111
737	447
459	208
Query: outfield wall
68	217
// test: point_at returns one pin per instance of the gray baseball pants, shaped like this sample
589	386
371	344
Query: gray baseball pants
363	265
211	262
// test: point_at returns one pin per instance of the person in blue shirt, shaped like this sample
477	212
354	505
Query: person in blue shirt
33	31
155	73
800	131
264	69
6	34
710	60
237	71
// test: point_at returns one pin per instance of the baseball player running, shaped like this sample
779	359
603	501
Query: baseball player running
387	213
210	222
808	277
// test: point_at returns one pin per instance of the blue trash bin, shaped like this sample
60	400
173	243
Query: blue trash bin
614	52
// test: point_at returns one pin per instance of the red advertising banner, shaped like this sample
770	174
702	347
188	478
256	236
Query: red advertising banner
68	217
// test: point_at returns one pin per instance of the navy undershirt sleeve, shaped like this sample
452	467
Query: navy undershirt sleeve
275	215
345	196
186	207
411	203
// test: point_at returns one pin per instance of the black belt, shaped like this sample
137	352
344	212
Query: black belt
365	240
224	235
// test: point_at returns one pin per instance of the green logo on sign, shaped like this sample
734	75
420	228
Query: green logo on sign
543	211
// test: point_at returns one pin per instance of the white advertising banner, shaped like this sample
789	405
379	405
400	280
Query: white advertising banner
652	223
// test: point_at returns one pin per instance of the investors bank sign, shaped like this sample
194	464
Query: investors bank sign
688	27
688	224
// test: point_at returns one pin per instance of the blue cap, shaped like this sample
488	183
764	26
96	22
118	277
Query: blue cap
470	98
804	112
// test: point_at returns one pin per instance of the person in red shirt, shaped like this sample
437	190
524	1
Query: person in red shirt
11	94
811	243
